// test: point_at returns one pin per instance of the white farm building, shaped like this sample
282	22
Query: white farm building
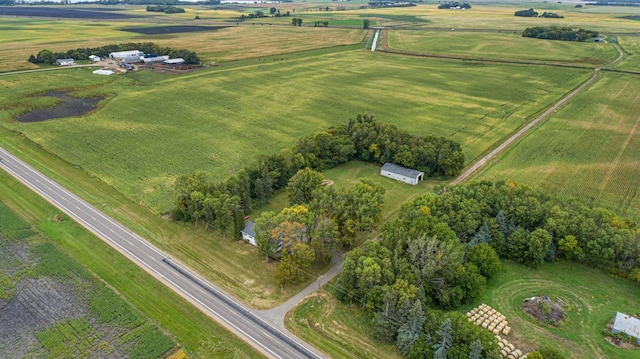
402	174
94	58
628	325
65	62
249	233
127	56
174	62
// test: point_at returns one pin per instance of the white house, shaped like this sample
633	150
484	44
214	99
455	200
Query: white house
249	233
626	324
94	58
403	174
65	62
174	62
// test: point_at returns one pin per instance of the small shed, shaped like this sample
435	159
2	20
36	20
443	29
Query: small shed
65	62
628	325
174	62
249	233
94	58
403	174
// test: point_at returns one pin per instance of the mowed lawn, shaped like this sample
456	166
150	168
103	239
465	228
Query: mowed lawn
593	297
152	128
502	46
589	149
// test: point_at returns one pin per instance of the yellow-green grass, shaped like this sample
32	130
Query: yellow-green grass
21	37
341	331
589	149
631	46
202	337
153	127
234	265
502	46
593	297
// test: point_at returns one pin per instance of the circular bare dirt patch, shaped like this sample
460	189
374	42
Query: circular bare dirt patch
544	310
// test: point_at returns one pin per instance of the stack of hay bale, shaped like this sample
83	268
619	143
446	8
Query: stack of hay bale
489	319
508	350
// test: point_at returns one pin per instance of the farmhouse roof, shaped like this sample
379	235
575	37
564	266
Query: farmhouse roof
403	171
627	324
249	228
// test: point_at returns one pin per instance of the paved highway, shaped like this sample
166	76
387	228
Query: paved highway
219	305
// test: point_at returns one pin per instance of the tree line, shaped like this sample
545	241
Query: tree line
454	5
360	139
533	13
50	57
444	247
167	9
559	33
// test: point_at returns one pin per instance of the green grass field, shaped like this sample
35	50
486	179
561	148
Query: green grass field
589	149
593	298
502	46
152	128
199	335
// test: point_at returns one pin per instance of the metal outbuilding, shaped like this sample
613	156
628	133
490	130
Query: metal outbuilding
402	174
628	325
65	62
174	62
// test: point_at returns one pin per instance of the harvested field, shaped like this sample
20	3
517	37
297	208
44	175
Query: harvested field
65	13
161	30
52	307
69	107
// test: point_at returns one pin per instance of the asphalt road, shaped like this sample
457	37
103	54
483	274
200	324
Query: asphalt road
219	305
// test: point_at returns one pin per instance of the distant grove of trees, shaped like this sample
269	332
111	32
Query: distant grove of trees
360	139
526	13
454	5
168	9
49	57
442	249
559	33
533	13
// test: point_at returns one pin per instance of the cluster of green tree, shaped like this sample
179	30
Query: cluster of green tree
168	9
276	12
321	24
362	138
381	143
320	218
254	15
366	23
559	33
526	13
552	15
454	5
49	57
296	21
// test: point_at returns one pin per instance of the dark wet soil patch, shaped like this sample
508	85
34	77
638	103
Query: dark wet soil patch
632	17
163	30
70	106
66	13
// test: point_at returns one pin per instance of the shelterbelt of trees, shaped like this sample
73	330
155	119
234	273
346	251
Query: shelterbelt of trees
443	248
49	57
361	138
559	33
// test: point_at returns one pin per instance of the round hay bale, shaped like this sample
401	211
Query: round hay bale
511	347
495	331
507	349
511	356
499	338
506	330
500	345
485	315
484	325
503	353
490	327
517	352
469	314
